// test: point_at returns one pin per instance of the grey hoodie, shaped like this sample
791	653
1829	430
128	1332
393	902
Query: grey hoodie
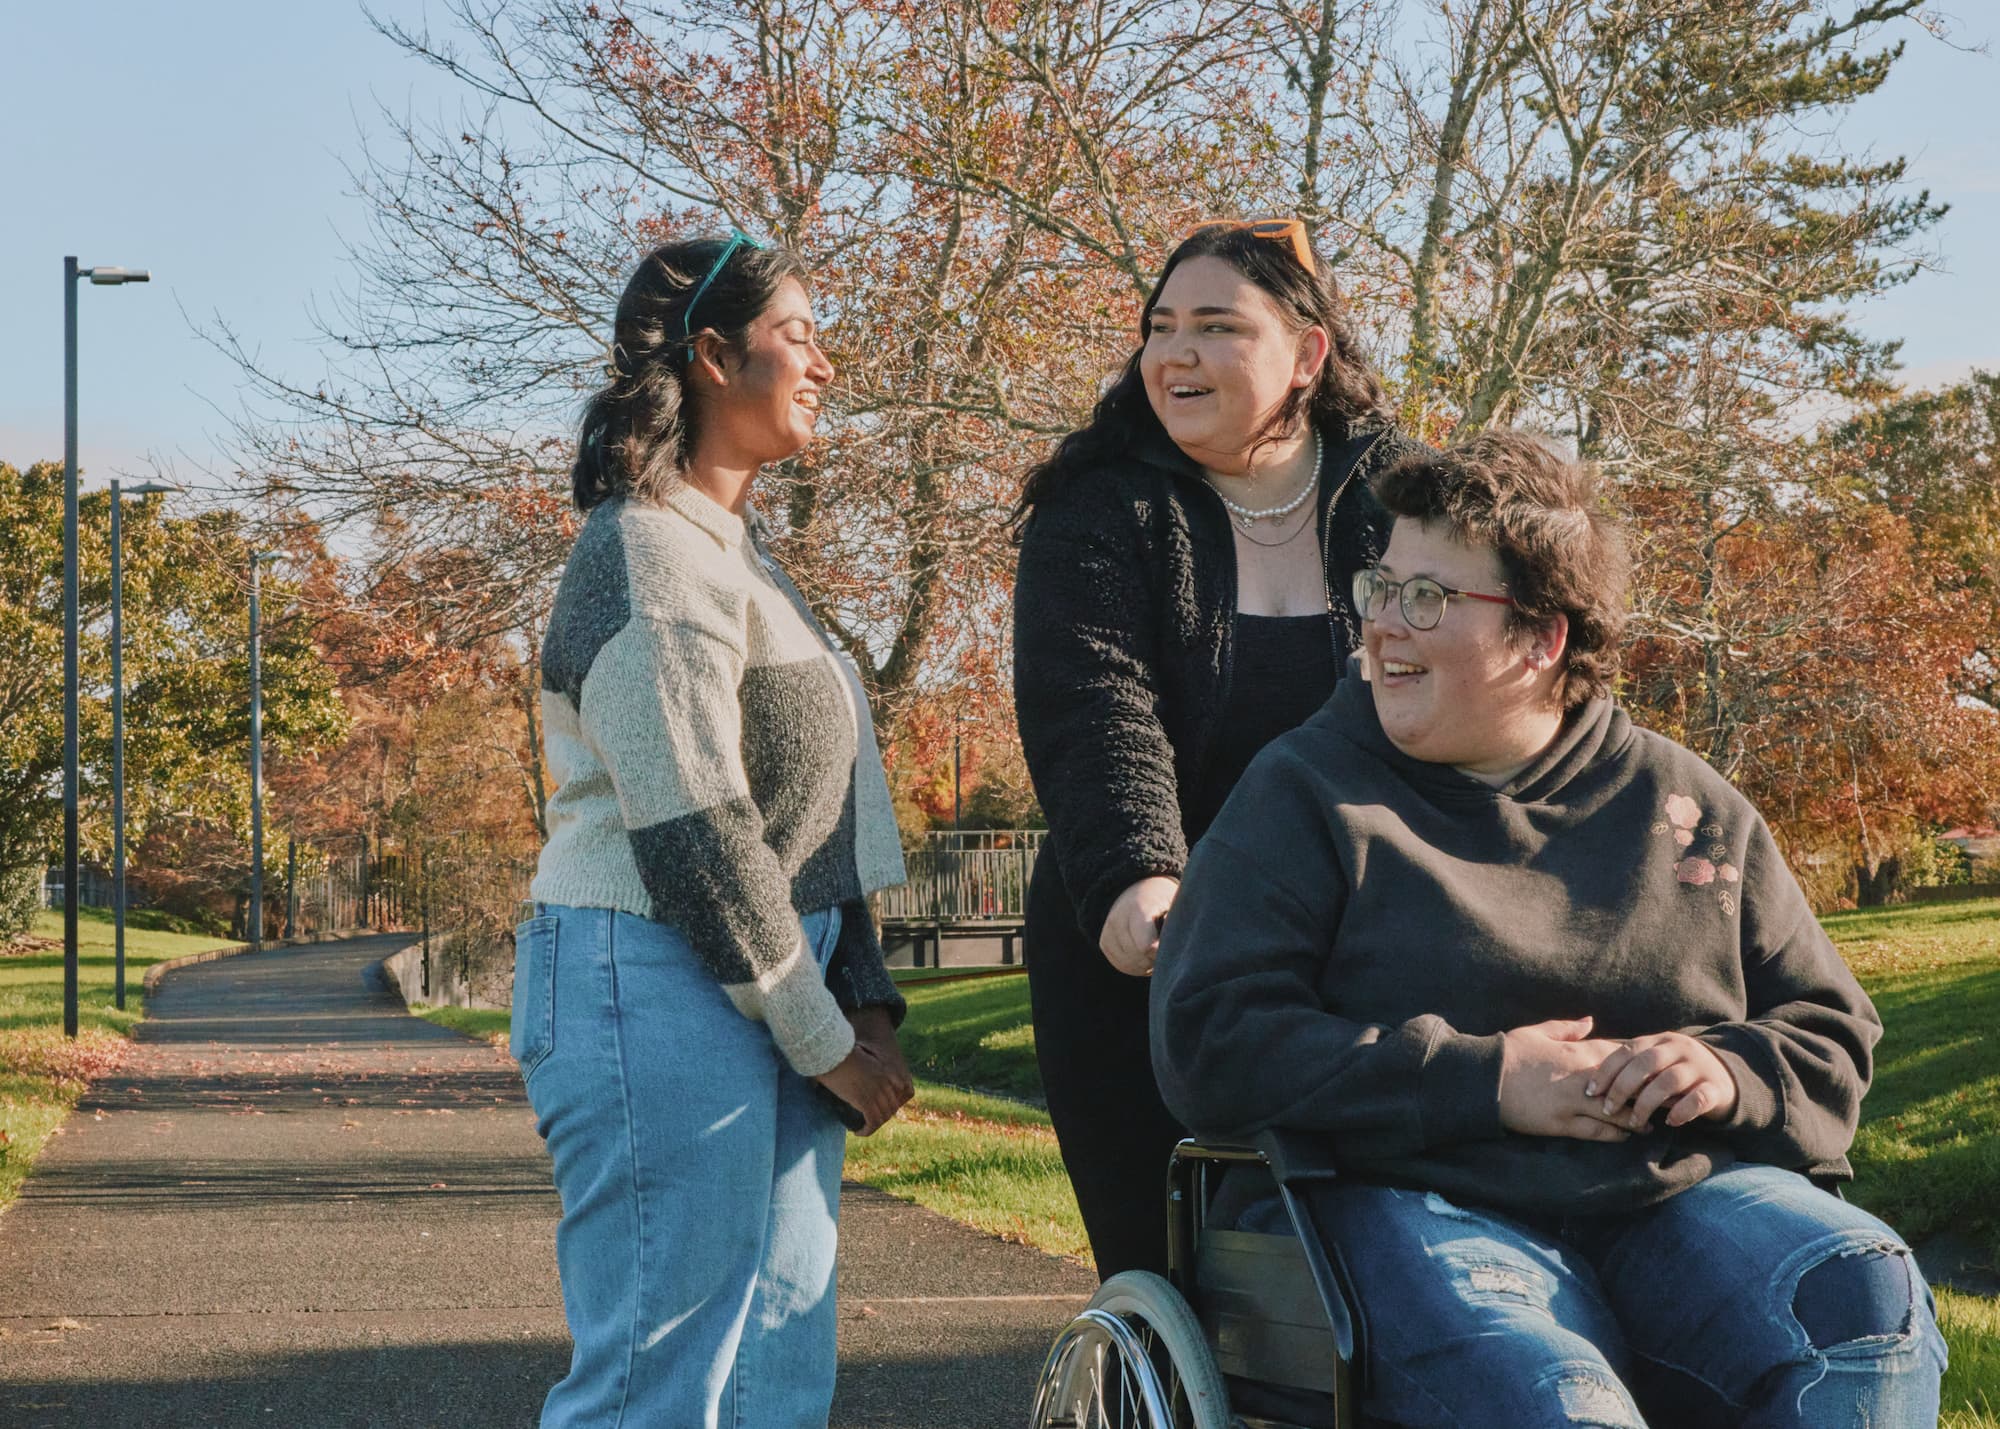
1358	928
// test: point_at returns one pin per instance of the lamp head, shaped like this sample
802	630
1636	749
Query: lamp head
150	488
111	277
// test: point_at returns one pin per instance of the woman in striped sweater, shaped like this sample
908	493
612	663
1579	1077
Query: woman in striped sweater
700	999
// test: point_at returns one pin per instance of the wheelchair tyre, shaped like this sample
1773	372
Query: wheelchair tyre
1134	1359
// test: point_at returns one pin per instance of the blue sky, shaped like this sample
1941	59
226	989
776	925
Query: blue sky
205	141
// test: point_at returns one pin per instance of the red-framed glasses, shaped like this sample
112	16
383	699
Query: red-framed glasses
1421	599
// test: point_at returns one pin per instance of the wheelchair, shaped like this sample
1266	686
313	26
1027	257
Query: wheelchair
1246	1331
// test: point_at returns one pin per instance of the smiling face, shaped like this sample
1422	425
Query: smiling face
1467	693
766	409
1219	361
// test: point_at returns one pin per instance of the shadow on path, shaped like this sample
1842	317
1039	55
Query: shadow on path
297	1205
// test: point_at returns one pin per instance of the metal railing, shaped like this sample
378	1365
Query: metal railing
960	877
467	899
93	888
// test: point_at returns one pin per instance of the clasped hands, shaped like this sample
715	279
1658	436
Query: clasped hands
1558	1080
873	1078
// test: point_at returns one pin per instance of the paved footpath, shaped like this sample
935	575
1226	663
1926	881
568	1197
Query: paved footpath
299	1206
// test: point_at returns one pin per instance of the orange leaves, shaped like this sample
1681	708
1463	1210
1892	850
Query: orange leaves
44	1054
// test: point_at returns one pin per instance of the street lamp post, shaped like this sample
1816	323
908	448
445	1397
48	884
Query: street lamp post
102	277
258	560
147	488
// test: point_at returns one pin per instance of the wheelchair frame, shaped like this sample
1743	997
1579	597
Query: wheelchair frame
1271	1312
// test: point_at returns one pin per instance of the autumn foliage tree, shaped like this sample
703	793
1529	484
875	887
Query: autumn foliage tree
443	759
186	680
1615	220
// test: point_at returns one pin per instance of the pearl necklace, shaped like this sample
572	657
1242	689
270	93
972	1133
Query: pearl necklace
1245	515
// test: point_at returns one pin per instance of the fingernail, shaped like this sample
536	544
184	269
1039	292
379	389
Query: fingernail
1590	1089
1607	1106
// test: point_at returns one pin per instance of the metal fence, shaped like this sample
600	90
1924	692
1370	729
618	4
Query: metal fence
970	876
328	888
466	899
94	888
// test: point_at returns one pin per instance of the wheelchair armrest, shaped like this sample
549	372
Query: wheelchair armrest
1296	1156
1190	1149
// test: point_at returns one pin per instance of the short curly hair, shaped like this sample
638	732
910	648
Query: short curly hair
1562	549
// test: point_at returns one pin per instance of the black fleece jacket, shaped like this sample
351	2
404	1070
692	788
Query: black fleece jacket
1124	619
1358	928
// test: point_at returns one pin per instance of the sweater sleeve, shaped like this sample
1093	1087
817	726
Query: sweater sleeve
661	707
856	973
1803	1057
1087	701
1242	1040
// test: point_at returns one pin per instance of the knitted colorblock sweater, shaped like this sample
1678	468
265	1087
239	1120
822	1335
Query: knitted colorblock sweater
717	767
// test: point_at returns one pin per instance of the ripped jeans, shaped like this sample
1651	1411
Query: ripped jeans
1751	1299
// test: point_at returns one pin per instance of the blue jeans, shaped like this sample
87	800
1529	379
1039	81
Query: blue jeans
1751	1299
699	1175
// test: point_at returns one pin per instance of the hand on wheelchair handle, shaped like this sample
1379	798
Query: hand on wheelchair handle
1130	941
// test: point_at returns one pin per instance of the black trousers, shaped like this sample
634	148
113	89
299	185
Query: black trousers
1090	1040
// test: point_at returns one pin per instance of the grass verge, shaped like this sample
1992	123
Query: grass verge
42	1073
974	1034
986	1163
487	1024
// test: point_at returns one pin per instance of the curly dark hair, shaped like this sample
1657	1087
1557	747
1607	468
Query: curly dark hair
1348	394
639	429
1562	549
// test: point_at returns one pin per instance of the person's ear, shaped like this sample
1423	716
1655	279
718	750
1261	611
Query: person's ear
710	359
1547	642
1314	345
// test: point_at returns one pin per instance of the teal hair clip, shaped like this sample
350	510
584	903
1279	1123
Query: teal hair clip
737	239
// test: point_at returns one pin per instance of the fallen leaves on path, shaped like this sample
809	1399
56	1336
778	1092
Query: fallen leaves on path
44	1054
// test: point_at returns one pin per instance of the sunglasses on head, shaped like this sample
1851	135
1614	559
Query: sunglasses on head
737	239
1278	230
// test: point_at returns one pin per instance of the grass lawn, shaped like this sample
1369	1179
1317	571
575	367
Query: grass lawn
1972	1384
988	1163
973	1034
1928	1153
41	1073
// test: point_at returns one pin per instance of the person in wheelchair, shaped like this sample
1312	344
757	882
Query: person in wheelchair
1540	980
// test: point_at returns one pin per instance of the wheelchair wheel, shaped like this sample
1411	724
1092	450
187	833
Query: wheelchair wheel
1134	1359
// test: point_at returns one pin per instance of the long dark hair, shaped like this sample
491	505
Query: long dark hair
640	428
1347	395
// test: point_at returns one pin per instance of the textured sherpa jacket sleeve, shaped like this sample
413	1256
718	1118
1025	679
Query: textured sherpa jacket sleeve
1803	1057
1087	697
661	705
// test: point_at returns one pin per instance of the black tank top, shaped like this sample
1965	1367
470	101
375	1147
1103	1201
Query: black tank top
1281	673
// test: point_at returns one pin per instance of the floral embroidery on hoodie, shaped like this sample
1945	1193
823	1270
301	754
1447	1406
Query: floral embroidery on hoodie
1710	865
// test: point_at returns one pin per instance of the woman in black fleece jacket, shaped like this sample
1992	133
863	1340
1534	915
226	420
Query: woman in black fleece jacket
1542	983
1159	643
